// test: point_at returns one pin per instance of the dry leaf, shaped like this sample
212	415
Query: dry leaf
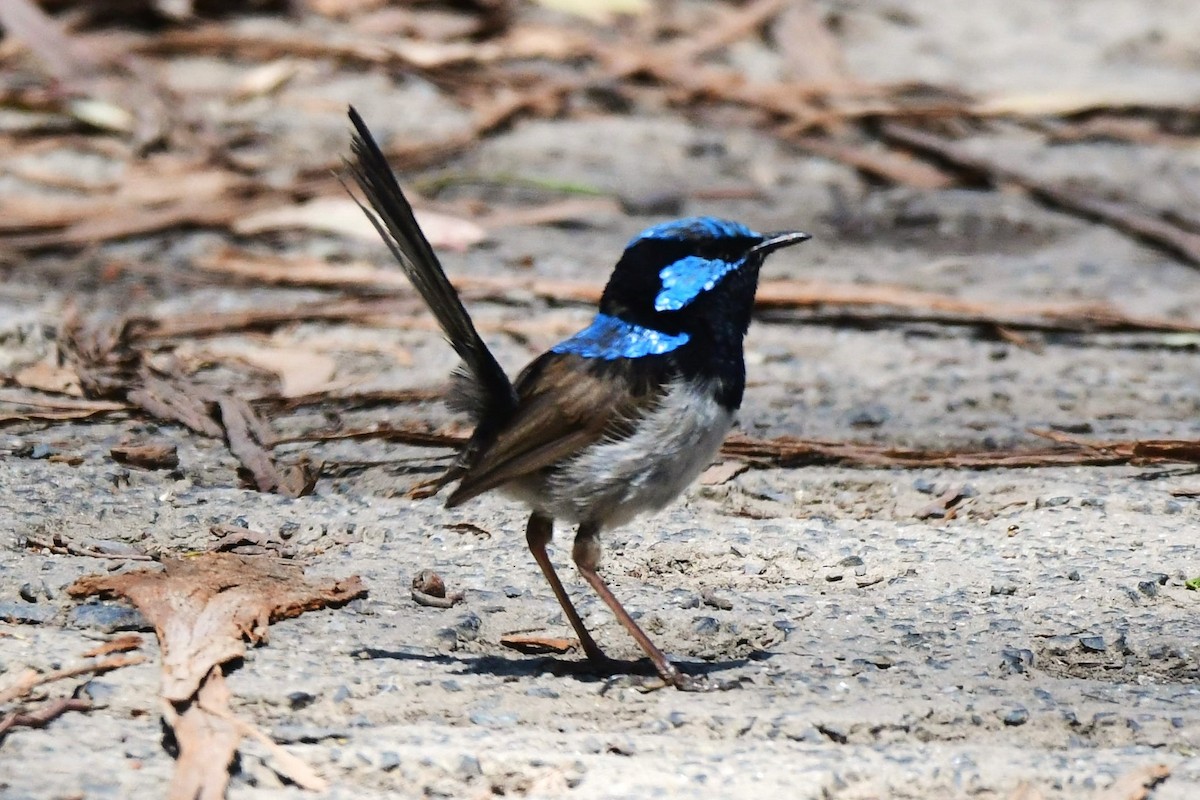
597	10
342	216
204	609
535	645
149	455
50	378
267	79
300	371
1137	783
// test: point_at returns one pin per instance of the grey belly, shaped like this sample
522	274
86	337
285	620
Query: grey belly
610	483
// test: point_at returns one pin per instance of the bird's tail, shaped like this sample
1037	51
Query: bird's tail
393	218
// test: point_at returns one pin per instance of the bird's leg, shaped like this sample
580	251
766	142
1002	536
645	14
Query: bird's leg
538	534
587	557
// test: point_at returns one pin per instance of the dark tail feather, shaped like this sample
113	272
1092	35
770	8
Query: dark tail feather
394	220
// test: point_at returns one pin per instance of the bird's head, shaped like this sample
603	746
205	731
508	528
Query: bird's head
689	272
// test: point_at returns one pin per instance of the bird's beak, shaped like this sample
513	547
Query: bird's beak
779	240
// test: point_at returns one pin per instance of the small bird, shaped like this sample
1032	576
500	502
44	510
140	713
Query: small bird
616	420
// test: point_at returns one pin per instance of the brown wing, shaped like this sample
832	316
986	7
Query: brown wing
565	403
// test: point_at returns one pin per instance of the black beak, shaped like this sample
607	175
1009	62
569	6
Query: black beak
779	240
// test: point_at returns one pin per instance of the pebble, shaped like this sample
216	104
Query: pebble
108	618
542	691
99	691
1017	659
1148	588
26	614
110	547
467	627
297	700
925	486
1095	644
34	591
869	416
1015	716
307	734
705	626
493	719
389	760
1051	502
468	767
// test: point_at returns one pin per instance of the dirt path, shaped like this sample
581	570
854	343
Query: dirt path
1039	644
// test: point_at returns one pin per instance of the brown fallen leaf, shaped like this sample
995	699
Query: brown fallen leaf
149	455
341	215
300	371
1137	783
50	378
204	610
536	645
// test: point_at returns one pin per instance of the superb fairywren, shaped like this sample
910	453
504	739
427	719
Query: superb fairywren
619	418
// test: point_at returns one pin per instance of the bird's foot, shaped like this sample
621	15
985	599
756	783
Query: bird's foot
680	680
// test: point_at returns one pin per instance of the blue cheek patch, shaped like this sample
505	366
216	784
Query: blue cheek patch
696	228
608	338
684	280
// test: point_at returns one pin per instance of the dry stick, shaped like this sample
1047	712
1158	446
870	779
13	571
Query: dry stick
790	451
43	715
887	165
735	26
60	546
772	295
415	433
1122	215
29	679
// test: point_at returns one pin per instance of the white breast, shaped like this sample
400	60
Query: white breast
610	483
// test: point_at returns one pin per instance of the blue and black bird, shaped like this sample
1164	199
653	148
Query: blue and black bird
618	419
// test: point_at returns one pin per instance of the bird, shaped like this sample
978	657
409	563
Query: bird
618	419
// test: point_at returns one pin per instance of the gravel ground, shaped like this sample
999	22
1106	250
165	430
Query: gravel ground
1042	638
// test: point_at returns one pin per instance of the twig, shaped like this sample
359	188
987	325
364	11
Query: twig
30	679
43	715
1122	215
59	545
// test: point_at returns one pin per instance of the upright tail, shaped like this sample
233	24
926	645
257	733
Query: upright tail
393	218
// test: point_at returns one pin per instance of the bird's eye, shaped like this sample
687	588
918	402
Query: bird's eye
710	250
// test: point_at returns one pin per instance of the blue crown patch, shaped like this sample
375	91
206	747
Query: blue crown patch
696	228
